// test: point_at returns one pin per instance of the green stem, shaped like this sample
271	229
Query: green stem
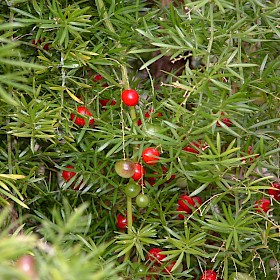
9	147
129	213
211	36
106	19
10	89
133	113
129	223
125	77
239	42
108	24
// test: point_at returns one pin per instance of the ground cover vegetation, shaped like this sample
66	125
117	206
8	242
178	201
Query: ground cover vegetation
139	139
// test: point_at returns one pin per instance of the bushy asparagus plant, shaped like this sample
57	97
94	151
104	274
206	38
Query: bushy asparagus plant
207	199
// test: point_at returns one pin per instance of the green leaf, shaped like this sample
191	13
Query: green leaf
263	123
7	97
15	199
145	65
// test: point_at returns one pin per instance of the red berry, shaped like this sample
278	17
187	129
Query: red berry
155	255
195	147
262	204
80	120
152	180
139	122
139	172
249	152
122	221
130	97
191	150
147	115
181	209
226	121
76	188
197	200
209	275
167	269
97	78
150	156
67	175
46	46
250	148
105	102
185	202
39	42
165	170
275	193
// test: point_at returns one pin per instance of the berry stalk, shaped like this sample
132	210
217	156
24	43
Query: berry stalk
109	25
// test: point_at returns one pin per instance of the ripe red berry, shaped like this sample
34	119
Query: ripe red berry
39	42
35	43
152	180
150	155
130	97
97	77
148	115
181	209
186	202
139	172
197	201
106	102
67	174
195	147
262	204
81	121
165	170
226	121
275	193
76	188
139	122
209	275
249	152
122	221
155	255
189	149
167	269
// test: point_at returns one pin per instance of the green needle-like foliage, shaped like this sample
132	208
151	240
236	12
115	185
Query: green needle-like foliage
207	74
